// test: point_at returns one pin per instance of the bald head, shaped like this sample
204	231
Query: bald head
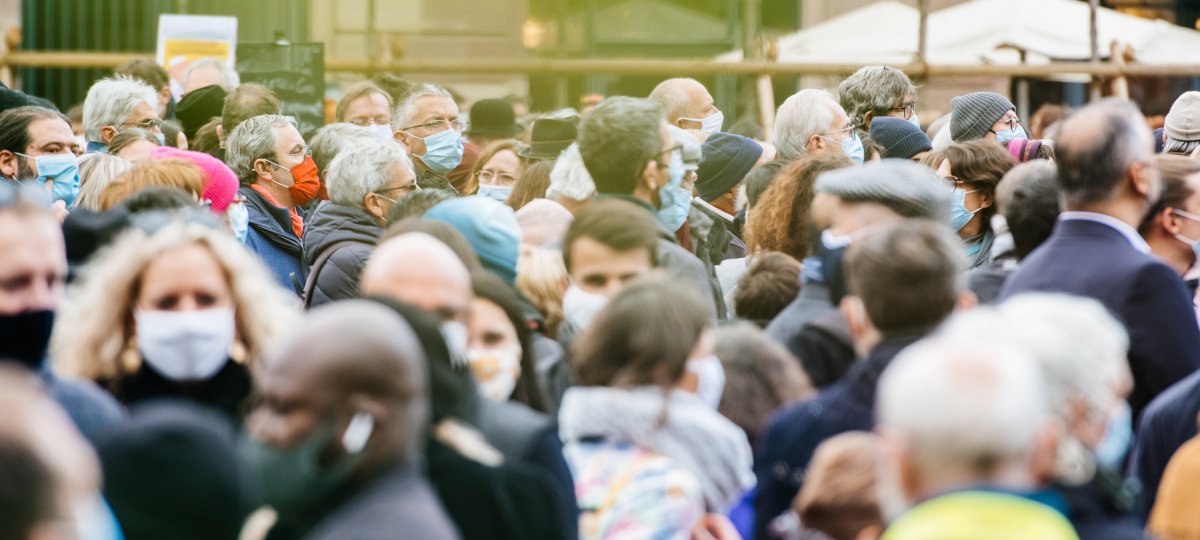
383	374
1099	148
683	98
417	269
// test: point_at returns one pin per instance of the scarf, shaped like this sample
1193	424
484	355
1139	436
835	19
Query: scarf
693	435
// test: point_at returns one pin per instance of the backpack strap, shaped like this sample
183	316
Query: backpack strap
310	284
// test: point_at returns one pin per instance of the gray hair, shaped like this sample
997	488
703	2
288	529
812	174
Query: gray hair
361	168
803	115
229	77
96	171
1175	146
672	96
617	139
253	140
110	102
962	410
873	89
406	109
332	139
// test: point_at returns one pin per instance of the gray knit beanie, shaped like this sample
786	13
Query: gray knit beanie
974	114
909	189
1183	121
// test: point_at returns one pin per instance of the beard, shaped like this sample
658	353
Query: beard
24	171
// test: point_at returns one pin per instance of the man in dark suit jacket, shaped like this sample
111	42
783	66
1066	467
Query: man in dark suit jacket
903	280
1109	181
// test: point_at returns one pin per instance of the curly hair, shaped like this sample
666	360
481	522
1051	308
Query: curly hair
95	328
779	221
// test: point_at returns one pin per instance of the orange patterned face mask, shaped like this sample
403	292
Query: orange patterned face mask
496	370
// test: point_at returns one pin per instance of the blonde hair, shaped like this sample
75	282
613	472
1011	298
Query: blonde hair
95	327
176	173
486	155
542	277
97	170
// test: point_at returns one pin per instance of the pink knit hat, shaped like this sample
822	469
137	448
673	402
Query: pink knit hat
220	184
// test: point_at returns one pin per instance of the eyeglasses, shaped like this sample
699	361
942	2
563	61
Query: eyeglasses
675	151
303	153
406	188
909	109
503	178
148	125
844	130
439	126
1013	122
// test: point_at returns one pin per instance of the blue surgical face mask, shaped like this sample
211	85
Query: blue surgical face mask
62	170
443	151
959	215
496	193
853	147
674	202
914	120
1195	245
239	220
1010	134
1117	438
162	139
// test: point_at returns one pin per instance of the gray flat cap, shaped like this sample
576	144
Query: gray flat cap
910	189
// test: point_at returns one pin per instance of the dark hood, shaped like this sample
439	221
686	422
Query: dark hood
332	223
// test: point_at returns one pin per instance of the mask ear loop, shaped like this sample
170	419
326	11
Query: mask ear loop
354	439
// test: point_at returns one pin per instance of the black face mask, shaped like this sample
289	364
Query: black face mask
24	337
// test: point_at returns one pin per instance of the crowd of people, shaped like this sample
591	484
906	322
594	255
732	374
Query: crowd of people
638	321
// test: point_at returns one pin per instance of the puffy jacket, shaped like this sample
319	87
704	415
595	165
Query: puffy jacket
329	224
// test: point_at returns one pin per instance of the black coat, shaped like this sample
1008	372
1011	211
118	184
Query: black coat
1167	423
795	432
1095	260
329	224
1099	509
226	391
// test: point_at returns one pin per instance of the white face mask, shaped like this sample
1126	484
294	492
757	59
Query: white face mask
185	345
381	131
580	307
455	334
712	378
709	124
496	370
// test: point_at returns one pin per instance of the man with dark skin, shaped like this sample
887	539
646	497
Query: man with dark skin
338	431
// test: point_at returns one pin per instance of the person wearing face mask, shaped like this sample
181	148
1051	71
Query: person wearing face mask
278	178
419	270
184	312
368	106
220	188
688	105
36	145
650	454
33	258
1172	227
1080	350
849	202
972	171
812	122
497	170
500	348
335	443
365	180
984	115
426	122
902	282
627	150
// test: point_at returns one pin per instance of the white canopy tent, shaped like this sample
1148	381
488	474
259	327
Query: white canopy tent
993	32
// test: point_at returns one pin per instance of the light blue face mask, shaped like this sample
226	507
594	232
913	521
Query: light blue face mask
1010	134
60	169
162	139
959	215
496	193
674	202
1117	438
853	147
443	151
239	220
